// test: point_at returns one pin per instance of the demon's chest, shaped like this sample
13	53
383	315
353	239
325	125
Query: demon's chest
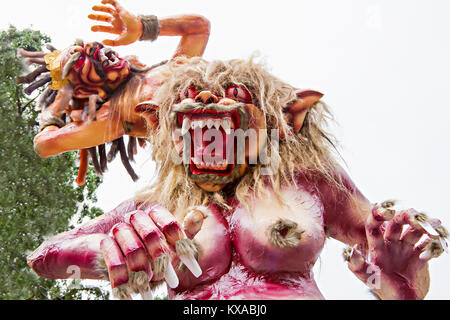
279	236
266	237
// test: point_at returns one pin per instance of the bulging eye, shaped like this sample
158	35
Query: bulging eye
238	93
189	93
80	61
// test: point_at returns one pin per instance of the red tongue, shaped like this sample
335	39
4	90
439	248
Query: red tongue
207	146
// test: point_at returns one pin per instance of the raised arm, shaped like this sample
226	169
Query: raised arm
393	264
193	29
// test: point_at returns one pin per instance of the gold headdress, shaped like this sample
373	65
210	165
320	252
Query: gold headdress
53	61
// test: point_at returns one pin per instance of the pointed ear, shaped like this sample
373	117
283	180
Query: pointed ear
149	110
297	110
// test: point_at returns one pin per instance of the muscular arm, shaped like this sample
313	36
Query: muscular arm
193	29
345	211
78	135
79	247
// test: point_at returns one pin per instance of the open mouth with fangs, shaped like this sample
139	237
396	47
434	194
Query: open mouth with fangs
209	136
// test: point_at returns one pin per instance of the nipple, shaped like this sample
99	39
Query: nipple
284	234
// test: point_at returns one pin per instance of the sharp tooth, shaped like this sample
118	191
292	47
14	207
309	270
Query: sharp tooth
210	123
186	126
201	124
217	124
226	124
195	124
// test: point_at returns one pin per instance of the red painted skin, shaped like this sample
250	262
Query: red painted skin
231	269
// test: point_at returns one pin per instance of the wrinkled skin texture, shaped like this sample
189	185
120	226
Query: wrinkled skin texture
267	253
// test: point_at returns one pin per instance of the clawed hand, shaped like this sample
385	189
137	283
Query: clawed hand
145	249
399	245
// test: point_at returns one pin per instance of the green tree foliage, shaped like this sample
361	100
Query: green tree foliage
38	197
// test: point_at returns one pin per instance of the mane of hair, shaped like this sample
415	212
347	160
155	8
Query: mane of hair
309	152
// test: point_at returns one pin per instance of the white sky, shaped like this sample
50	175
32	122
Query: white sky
384	68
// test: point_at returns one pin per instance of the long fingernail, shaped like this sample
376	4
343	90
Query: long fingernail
348	253
186	251
388	204
191	263
443	233
388	214
171	277
425	255
444	244
423	221
433	250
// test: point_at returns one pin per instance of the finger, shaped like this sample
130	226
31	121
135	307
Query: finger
117	268
167	223
423	244
412	236
193	222
120	41
107	29
105	9
393	231
421	220
155	242
432	250
112	43
134	252
380	214
357	263
100	17
184	247
354	258
114	3
440	229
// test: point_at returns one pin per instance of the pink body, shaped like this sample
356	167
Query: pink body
235	260
236	253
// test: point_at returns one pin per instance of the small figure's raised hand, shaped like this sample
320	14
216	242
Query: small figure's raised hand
400	244
121	22
145	248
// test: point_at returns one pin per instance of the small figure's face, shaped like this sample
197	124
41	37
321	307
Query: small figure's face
91	68
216	135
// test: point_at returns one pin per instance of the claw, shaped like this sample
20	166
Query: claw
432	250
348	253
191	263
443	233
388	214
423	220
444	244
186	251
388	204
171	277
162	265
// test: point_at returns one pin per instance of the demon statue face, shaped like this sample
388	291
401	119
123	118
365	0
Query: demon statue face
93	69
221	117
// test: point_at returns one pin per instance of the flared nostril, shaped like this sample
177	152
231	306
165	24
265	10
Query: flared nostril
206	97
